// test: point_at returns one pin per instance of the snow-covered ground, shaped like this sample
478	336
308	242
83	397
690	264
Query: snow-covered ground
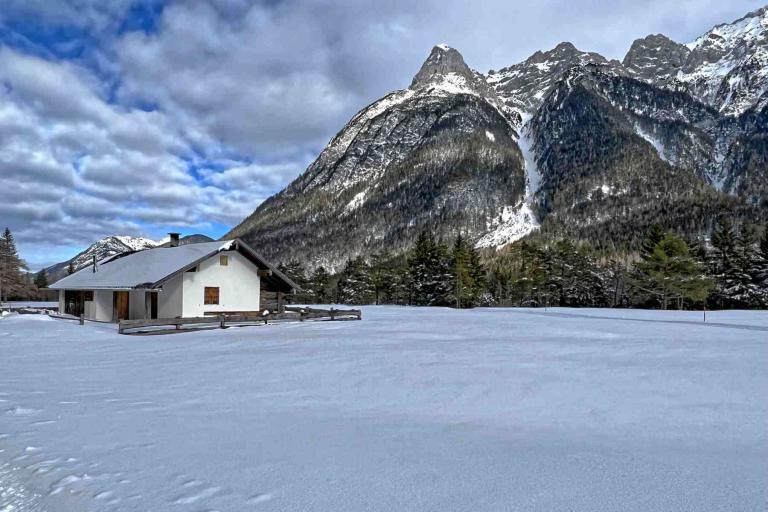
31	304
410	409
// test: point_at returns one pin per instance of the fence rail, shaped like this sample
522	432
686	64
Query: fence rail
239	318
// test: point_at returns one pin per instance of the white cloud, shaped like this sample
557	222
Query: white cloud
221	103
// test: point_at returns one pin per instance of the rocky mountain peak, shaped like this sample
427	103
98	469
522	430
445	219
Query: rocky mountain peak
524	85
442	61
655	57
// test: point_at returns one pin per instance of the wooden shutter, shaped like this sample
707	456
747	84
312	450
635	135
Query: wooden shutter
211	295
224	260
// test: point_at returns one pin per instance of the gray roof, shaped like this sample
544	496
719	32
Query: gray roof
143	269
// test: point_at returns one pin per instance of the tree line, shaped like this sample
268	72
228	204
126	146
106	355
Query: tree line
16	283
667	271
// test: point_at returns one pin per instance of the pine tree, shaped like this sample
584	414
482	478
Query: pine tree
761	270
463	295
655	235
749	265
479	275
764	243
70	268
384	278
733	283
670	273
319	286
429	270
354	286
12	279
41	279
296	272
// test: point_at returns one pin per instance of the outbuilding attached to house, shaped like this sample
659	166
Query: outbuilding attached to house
179	281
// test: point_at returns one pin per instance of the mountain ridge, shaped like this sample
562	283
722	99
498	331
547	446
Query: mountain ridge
659	100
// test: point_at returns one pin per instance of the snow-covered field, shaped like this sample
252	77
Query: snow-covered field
31	304
410	409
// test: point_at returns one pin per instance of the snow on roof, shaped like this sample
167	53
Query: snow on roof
140	269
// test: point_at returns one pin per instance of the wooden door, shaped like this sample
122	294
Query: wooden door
153	305
121	308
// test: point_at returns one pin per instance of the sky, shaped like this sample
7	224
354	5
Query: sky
140	117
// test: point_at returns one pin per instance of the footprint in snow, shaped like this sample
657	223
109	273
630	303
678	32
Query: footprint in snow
258	498
103	495
22	411
43	422
198	495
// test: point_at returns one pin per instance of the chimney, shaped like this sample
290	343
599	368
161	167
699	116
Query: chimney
174	239
94	264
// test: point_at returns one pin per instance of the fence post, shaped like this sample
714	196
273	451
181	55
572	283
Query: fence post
302	314
82	319
333	315
222	321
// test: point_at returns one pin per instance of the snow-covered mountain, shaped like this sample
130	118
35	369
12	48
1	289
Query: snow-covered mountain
566	141
726	67
525	85
109	246
440	154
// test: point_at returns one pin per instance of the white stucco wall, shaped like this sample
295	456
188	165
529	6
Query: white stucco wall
238	284
170	302
137	304
101	306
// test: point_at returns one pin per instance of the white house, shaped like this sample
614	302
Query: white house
178	281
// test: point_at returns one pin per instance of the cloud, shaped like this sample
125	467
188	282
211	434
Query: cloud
138	116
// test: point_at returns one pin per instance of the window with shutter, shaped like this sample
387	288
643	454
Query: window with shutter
211	295
223	260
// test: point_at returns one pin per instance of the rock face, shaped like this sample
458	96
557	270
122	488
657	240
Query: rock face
728	66
566	140
655	58
525	85
725	68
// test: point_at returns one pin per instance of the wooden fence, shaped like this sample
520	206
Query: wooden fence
247	317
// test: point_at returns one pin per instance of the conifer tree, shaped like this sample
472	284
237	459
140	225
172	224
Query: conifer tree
655	235
732	281
761	270
479	275
764	243
12	279
319	286
296	272
463	295
670	273
41	279
750	265
384	278
354	286
429	270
